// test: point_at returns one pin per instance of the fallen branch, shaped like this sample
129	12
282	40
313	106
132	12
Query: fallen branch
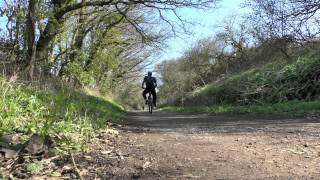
75	165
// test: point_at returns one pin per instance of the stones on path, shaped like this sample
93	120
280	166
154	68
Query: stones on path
8	153
10	139
11	146
37	145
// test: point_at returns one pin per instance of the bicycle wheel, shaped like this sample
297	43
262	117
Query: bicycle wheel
150	104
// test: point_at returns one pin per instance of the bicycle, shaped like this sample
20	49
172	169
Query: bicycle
150	102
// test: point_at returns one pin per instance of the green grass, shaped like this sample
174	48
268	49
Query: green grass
294	108
65	113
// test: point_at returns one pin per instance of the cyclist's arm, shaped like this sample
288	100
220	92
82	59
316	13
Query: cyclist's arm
143	82
155	82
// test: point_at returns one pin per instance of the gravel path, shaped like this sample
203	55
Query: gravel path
204	146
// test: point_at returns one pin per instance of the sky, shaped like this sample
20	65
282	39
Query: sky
206	25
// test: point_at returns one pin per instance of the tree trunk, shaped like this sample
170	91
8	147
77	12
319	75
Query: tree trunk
17	34
31	23
51	30
79	35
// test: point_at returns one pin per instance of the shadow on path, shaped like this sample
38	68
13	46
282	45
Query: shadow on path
218	123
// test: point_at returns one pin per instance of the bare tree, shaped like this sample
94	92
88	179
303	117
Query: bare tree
287	19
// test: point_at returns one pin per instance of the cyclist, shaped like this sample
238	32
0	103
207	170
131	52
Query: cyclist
150	87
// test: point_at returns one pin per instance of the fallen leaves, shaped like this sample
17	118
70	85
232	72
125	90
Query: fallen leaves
106	152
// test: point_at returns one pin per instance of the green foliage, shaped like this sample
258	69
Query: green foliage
99	66
76	69
55	174
105	65
292	107
35	168
273	83
130	95
60	112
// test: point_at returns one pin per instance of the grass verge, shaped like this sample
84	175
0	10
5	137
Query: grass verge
291	107
68	114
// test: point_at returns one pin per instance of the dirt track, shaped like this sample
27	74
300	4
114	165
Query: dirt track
203	146
195	146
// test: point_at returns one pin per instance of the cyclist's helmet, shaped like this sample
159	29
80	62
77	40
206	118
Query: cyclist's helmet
149	73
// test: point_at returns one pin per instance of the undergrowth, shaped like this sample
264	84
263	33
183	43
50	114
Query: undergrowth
64	113
273	83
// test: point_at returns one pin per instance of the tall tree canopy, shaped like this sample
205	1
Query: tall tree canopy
90	41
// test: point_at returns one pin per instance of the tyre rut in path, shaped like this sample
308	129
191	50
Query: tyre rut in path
206	146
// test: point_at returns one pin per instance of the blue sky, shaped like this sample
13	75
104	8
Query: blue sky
206	23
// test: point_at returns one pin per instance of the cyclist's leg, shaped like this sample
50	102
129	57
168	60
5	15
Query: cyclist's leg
144	94
154	95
